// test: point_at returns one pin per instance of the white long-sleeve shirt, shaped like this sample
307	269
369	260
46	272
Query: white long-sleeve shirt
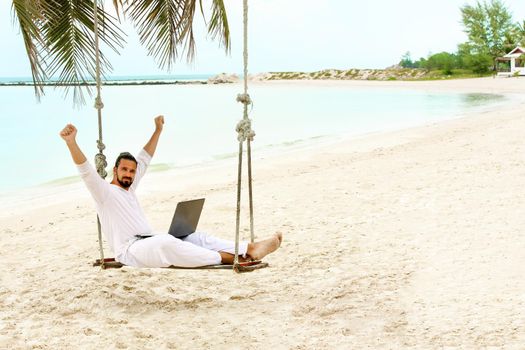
121	216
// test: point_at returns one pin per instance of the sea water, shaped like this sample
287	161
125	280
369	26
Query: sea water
200	121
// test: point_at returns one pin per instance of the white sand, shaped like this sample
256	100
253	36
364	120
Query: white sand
408	239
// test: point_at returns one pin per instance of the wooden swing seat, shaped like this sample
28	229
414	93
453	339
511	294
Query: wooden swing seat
111	263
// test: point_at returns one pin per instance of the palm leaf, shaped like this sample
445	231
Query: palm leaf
69	40
28	14
118	4
63	43
218	26
158	23
166	25
58	34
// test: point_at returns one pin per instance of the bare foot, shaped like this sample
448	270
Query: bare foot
280	237
259	250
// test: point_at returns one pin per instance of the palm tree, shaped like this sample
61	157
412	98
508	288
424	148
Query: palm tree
520	33
59	34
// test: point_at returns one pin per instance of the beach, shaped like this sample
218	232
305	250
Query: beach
406	239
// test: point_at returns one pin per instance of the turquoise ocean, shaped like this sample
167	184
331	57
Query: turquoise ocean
201	120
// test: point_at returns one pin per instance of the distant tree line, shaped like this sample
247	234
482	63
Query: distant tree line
491	33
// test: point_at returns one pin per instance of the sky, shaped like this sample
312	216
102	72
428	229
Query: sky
291	35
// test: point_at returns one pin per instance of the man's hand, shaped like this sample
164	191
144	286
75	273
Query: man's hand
159	123
69	133
151	146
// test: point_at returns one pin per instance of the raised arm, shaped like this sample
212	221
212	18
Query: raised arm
151	146
69	134
96	185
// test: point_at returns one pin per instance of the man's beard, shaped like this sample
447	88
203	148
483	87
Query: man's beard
125	182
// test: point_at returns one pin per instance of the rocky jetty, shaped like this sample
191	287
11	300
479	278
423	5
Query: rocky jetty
392	73
223	78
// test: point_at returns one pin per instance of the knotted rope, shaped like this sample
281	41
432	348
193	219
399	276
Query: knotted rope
98	101
245	133
244	98
100	158
244	130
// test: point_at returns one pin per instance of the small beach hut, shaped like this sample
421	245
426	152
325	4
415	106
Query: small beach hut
512	63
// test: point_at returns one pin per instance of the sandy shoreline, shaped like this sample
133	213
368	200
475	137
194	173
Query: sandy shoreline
407	239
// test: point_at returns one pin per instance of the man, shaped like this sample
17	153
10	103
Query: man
122	218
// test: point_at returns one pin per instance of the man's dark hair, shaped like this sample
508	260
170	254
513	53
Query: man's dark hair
124	155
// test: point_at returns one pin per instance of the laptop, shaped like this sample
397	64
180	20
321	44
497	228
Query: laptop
185	219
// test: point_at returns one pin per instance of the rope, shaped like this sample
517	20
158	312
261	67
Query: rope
244	98
100	158
250	190
238	218
245	51
245	133
244	130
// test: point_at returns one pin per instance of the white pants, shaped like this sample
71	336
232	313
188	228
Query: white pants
163	250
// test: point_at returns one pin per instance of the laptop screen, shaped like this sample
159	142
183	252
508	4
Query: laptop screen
186	218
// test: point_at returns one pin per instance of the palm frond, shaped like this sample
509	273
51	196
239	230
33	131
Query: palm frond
186	38
70	44
59	39
218	27
59	36
160	25
166	25
29	14
119	5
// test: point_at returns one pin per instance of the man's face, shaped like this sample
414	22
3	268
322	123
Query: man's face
125	173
